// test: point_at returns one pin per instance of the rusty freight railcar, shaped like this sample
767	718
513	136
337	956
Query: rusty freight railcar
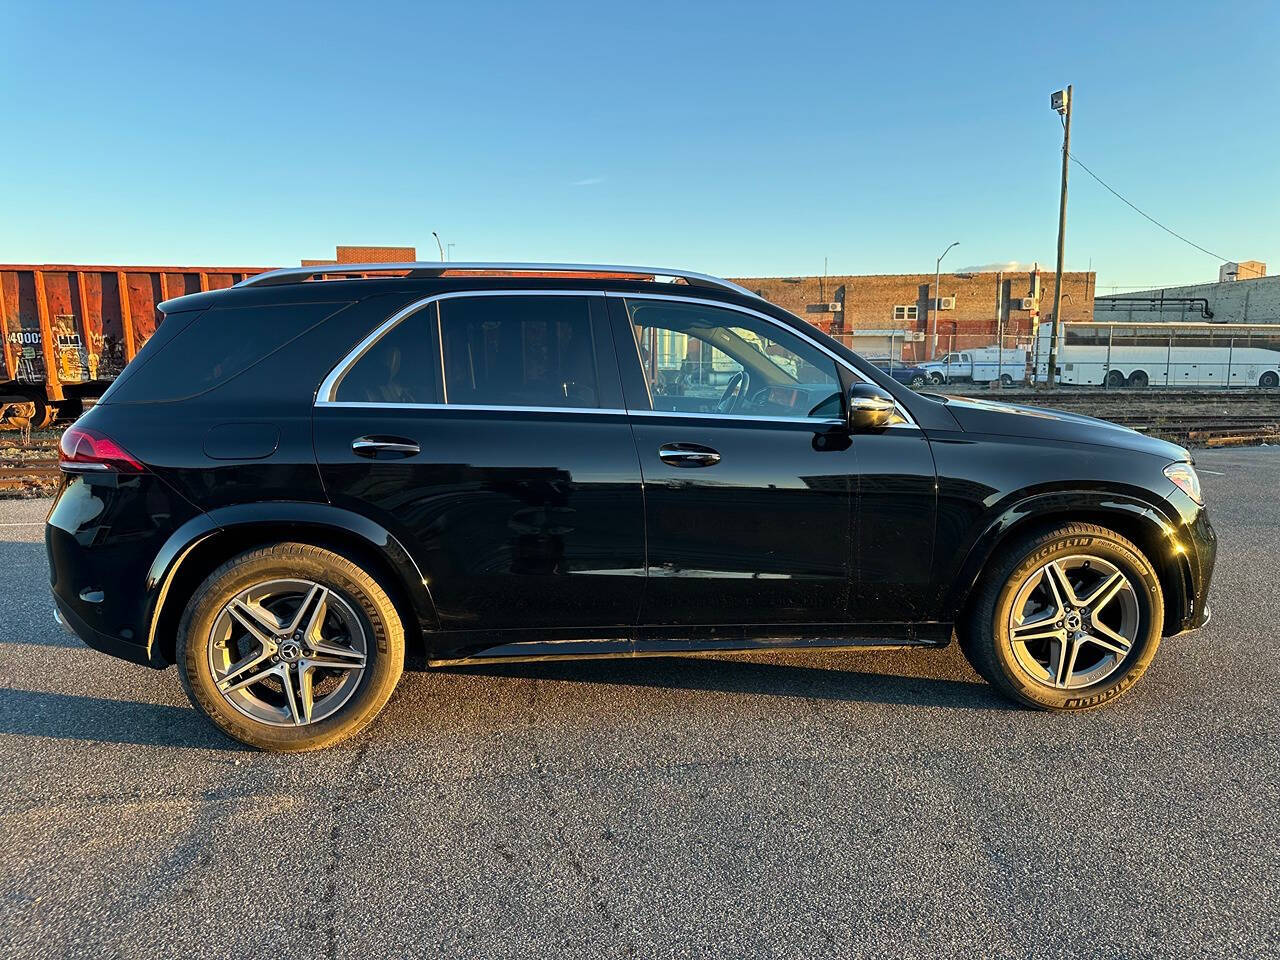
69	329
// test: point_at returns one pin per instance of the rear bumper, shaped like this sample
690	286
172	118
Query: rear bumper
73	624
102	537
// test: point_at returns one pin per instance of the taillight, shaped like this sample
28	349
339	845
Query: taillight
82	450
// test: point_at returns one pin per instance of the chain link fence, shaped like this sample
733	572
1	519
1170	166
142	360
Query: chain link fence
1106	356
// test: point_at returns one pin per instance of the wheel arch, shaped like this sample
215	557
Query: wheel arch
199	547
1136	521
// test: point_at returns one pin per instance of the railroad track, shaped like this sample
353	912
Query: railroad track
1190	417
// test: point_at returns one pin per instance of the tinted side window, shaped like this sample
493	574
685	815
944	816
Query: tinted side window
216	346
169	327
401	367
704	359
518	351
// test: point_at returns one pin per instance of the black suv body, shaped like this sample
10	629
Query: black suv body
510	462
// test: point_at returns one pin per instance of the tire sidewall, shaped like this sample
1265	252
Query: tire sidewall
1151	613
383	661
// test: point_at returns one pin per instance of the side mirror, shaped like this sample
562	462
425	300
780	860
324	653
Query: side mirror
869	407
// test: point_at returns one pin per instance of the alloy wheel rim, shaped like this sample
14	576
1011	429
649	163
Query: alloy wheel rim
287	652
1074	621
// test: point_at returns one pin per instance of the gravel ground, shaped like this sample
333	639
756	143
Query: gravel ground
788	805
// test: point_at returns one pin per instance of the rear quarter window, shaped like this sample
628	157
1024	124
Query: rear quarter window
217	346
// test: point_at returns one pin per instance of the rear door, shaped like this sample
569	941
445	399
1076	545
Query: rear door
487	432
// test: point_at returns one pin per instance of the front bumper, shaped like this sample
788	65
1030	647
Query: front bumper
1197	547
1204	618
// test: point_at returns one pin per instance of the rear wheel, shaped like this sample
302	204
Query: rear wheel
1138	379
1066	620
290	647
1269	379
1115	378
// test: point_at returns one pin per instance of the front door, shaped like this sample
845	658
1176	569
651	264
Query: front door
486	432
749	473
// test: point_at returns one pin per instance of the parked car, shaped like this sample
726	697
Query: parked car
981	365
904	372
298	479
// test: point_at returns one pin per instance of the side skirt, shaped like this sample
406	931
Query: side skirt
705	641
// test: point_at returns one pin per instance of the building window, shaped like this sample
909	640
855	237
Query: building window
905	312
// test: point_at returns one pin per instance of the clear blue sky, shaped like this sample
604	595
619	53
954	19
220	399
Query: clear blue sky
736	138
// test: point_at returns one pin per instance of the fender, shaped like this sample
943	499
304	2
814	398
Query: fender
305	517
1066	505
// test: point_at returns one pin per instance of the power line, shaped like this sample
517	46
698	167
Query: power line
1174	233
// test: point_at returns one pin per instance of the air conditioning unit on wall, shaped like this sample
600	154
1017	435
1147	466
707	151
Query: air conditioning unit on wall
946	303
1026	303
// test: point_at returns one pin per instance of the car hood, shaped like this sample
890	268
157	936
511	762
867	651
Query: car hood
1013	420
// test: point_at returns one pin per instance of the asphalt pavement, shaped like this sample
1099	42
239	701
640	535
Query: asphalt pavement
862	804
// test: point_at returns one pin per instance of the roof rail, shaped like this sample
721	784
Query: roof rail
434	269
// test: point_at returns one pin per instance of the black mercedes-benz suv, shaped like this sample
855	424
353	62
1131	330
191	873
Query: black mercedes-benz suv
301	477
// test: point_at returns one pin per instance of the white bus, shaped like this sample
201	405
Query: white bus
1162	354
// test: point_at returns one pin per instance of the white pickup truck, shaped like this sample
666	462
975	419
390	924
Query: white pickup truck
981	365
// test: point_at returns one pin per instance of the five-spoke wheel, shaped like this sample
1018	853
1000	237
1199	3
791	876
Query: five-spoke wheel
1073	621
1065	619
290	647
287	652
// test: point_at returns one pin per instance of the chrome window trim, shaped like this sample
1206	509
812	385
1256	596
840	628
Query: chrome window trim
684	414
330	384
464	407
324	395
590	411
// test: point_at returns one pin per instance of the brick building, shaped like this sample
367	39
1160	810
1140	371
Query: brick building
885	314
345	254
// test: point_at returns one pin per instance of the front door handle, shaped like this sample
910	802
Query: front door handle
688	455
384	448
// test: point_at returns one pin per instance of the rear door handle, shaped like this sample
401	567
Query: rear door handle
384	448
688	455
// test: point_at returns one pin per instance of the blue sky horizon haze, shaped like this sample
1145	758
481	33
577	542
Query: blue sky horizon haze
744	139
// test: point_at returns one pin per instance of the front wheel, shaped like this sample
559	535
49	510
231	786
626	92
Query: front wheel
917	380
936	378
1066	620
1269	379
290	647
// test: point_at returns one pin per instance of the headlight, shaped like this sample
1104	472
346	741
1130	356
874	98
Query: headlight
1184	475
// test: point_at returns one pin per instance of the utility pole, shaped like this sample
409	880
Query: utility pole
1061	102
937	300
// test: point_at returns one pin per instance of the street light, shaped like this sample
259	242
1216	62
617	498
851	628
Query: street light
439	244
1061	102
937	300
